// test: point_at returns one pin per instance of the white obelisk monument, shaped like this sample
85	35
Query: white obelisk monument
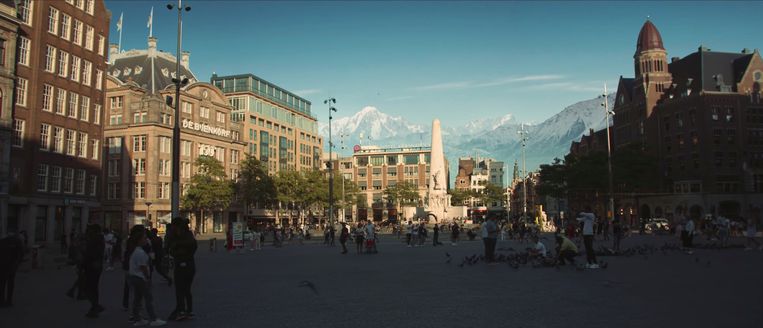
438	199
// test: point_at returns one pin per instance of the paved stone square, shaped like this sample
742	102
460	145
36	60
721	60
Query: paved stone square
414	287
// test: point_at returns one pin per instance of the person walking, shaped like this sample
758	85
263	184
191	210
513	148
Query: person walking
409	233
139	276
455	230
751	232
371	237
588	219
93	267
11	255
688	235
109	241
490	238
436	235
182	249
343	236
358	235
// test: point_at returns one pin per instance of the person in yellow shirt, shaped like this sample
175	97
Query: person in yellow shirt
565	250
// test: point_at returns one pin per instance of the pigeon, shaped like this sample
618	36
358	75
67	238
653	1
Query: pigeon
308	284
447	254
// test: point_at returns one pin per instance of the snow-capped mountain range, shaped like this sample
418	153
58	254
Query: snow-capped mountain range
486	137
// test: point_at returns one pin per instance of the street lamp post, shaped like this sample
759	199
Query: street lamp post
611	210
344	200
175	203
523	138
330	102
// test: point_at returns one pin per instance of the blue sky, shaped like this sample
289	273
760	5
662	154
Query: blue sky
421	60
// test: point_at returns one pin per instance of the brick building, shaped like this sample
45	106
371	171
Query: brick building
701	116
55	159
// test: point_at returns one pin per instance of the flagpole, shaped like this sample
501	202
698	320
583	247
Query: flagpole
119	47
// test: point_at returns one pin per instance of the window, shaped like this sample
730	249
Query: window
73	105
86	70
21	90
234	156
70	142
731	136
729	115
166	118
139	190
165	167
163	190
58	140
98	79
63	64
185	148
84	108
23	53
89	37
115	145
139	143
139	117
714	113
97	114
94	152
114	191
47	98
68	180
79	185
53	21
185	170
138	166
204	112
75	72
42	177
44	136
77	31
25	11
115	119
93	185
187	108
90	7
82	144
80	4
221	117
18	133
55	179
165	145
66	22
116	102
101	45
113	167
61	102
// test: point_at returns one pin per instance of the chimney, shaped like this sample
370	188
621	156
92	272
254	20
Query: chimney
745	51
184	58
113	50
152	46
674	59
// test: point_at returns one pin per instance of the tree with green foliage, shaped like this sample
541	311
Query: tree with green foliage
553	179
460	196
402	194
209	190
490	194
255	186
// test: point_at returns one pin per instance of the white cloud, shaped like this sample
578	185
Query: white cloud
491	83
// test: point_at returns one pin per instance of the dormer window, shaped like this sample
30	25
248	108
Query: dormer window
127	71
757	76
138	69
165	72
115	73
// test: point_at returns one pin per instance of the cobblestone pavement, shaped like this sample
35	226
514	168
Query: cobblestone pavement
414	287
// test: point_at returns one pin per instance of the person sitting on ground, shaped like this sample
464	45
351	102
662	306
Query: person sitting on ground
538	251
565	250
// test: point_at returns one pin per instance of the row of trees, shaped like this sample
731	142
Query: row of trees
578	178
488	195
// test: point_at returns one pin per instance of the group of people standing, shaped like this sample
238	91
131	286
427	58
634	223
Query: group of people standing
364	235
144	253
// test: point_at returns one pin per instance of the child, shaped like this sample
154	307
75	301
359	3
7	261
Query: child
140	280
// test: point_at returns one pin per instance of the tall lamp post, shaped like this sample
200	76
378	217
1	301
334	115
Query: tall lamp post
344	199
330	102
175	203
608	113
523	138
148	214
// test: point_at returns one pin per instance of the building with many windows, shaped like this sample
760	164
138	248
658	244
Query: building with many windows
138	137
279	128
9	26
55	158
701	117
474	175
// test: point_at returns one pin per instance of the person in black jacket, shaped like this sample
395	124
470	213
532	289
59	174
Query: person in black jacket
92	267
158	248
182	247
11	255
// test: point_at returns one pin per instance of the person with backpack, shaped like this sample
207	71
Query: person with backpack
157	260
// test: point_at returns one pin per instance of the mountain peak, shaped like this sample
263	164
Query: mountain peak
368	110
